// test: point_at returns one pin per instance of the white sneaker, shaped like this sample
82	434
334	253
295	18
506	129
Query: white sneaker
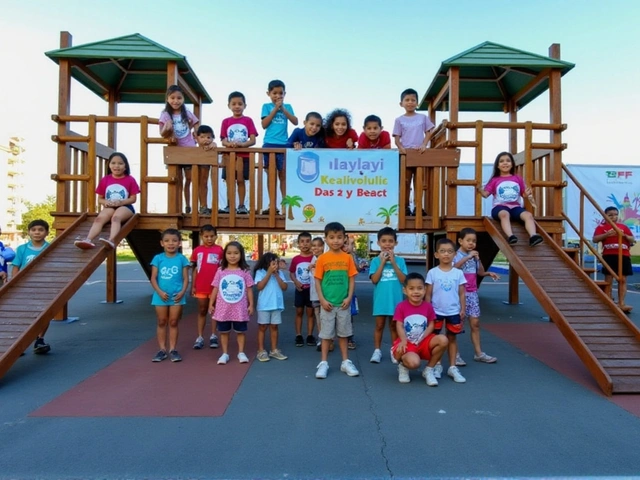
437	370
459	361
224	358
242	358
377	356
349	368
484	358
429	376
323	369
393	359
454	373
403	374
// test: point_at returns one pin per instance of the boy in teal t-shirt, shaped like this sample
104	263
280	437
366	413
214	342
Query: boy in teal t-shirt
387	272
275	117
38	231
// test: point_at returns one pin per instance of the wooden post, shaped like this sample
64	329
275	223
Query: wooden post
172	73
514	294
555	114
478	166
64	162
144	166
454	108
112	260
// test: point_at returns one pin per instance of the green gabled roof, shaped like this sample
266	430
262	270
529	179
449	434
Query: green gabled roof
133	65
491	74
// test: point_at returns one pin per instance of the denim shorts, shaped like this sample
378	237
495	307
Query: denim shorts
238	327
514	212
279	156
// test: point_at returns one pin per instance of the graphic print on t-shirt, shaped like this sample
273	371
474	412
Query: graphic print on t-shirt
180	127
414	328
237	133
302	273
232	288
115	192
508	191
167	273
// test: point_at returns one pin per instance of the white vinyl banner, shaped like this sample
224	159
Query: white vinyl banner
610	186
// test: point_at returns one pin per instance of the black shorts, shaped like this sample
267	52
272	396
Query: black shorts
303	298
612	261
245	169
238	327
514	213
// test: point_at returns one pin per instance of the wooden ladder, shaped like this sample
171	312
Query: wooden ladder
31	299
606	341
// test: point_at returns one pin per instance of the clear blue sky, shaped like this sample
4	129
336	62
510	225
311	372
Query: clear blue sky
354	54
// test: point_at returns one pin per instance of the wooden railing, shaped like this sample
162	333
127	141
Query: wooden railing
436	181
584	244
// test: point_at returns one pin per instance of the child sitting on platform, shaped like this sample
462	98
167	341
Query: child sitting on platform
606	234
507	189
117	192
374	136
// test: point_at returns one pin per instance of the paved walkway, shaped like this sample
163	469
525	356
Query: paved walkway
534	413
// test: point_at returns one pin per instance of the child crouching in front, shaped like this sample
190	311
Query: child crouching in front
270	282
415	322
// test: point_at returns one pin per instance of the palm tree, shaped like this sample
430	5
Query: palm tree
386	213
290	202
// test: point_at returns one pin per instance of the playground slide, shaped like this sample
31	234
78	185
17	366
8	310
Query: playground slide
43	287
606	341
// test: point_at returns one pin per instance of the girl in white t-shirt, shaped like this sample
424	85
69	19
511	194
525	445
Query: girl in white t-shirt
270	282
117	192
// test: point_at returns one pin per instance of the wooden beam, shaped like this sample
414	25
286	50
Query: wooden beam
187	90
433	158
534	82
91	76
440	96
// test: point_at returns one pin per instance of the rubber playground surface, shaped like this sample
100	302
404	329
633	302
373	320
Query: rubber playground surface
96	407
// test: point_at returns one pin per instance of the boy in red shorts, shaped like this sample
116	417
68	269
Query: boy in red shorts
415	321
205	260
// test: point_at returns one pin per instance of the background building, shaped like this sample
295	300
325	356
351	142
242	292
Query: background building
12	186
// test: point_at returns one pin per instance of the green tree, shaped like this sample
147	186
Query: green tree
39	211
246	240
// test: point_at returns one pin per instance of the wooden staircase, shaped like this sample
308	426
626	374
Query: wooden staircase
31	299
600	333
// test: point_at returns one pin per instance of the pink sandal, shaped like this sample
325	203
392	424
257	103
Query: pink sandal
85	244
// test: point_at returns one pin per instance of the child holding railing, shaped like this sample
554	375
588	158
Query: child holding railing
178	125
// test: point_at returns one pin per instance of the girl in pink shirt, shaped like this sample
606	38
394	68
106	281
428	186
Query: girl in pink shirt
231	300
117	192
508	189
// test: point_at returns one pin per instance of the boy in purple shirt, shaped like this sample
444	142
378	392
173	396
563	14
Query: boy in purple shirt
410	132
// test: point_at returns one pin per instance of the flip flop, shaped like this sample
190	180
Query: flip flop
84	244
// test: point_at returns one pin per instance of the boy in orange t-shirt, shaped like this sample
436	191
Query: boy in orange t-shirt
334	275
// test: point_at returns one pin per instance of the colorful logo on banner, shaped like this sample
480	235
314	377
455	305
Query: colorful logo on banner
610	186
358	188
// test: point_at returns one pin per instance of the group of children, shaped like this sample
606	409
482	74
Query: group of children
324	282
182	128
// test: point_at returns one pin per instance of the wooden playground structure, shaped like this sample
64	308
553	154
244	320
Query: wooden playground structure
485	78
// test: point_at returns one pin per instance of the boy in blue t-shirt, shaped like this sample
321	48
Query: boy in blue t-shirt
275	116
387	272
38	231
